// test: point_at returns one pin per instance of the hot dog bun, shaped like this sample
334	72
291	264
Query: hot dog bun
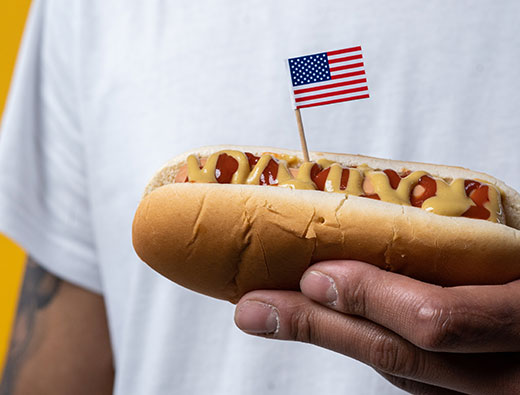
224	240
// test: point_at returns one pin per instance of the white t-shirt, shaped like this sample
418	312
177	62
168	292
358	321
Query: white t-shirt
105	92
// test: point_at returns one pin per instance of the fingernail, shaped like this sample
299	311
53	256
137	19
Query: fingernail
257	318
319	287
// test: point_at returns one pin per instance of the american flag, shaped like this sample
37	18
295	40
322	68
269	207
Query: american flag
328	77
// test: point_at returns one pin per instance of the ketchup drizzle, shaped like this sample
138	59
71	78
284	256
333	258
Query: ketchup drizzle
430	189
315	170
226	167
270	174
476	191
253	160
344	179
320	178
393	177
477	212
479	194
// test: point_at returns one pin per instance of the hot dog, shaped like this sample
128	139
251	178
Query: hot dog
227	220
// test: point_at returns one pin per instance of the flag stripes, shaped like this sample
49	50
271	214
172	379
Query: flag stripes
328	77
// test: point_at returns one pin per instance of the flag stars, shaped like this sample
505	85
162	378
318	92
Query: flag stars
309	69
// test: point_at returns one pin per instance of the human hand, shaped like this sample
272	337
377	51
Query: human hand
420	337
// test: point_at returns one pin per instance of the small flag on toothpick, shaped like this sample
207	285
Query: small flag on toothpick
328	77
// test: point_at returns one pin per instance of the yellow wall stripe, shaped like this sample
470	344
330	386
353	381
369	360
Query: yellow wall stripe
12	19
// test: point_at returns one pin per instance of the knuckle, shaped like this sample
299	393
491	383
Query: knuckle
390	354
355	299
440	327
302	327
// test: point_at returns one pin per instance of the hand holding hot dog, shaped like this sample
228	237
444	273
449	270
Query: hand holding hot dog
421	337
224	222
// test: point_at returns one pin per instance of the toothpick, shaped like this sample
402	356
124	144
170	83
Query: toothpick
302	135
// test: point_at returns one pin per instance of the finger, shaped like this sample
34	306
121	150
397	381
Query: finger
414	387
291	316
456	319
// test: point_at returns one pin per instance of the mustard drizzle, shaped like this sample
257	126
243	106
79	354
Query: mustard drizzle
450	199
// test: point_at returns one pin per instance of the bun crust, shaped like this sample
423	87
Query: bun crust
225	240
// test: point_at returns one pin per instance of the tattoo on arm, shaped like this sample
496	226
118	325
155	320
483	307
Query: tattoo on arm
38	290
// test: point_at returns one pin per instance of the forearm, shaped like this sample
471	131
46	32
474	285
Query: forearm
60	342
